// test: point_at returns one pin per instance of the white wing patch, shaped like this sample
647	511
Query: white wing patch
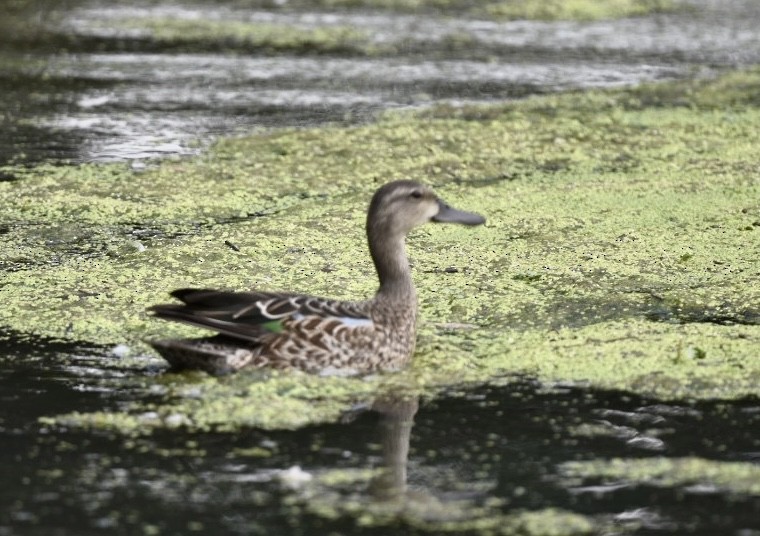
355	322
347	321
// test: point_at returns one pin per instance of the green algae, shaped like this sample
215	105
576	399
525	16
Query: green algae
194	33
577	9
735	478
423	512
191	34
620	249
509	9
361	496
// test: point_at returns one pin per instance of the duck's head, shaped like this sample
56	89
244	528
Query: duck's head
400	206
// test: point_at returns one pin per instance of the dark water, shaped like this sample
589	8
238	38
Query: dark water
74	87
500	449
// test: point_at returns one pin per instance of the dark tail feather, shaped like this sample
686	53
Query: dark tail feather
215	355
208	319
193	296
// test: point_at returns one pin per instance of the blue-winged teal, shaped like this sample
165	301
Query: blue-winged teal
283	330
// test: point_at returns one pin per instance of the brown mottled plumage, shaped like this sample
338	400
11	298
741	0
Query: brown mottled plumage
282	330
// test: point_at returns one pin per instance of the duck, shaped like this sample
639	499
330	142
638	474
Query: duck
284	330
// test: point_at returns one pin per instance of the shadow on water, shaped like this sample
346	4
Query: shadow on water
453	463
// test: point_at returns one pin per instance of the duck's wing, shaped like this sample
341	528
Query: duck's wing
249	315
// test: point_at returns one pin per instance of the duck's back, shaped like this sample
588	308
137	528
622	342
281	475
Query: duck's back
313	335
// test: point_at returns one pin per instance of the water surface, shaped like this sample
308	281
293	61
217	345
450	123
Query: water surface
459	460
80	83
78	86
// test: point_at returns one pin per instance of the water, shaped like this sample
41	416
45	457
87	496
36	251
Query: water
79	86
88	93
473	455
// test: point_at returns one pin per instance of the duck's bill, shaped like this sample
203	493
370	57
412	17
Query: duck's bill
447	214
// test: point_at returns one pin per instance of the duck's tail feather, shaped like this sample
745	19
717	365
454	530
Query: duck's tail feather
215	355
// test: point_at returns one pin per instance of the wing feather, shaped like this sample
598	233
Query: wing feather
251	315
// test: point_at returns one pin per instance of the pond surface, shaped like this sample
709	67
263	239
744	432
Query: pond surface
80	85
95	81
478	456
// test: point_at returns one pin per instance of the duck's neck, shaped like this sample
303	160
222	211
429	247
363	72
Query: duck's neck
389	255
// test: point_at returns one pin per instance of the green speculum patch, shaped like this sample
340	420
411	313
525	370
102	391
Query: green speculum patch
620	250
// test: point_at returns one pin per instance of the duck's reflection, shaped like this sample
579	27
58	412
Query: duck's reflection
395	429
382	497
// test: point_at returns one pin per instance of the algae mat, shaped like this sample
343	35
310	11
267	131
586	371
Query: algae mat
621	249
202	33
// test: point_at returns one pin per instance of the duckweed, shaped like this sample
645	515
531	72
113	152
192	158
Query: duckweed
192	33
620	249
732	477
577	9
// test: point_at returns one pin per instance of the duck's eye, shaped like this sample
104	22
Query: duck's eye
416	194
